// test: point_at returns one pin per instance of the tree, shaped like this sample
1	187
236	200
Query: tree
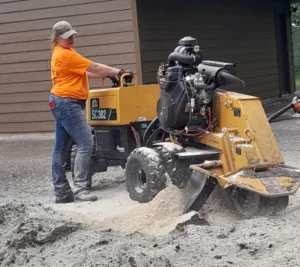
295	9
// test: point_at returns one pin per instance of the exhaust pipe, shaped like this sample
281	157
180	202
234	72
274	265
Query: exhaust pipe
218	73
224	78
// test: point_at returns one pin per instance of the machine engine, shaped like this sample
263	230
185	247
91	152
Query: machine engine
187	83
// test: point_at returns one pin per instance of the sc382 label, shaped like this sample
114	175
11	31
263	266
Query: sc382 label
100	114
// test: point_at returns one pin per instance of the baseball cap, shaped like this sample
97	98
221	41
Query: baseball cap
62	29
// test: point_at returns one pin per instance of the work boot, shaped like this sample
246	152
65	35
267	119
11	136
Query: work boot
85	195
66	199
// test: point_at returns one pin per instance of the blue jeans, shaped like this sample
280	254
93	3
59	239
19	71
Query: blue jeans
71	126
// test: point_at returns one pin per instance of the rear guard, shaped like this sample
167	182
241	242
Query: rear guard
275	182
279	181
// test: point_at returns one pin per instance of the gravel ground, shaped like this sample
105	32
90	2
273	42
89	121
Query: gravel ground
116	231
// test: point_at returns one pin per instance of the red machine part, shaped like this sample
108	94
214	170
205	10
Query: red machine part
297	107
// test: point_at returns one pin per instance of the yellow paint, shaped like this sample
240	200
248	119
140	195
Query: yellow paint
132	103
246	141
287	182
284	186
250	184
242	132
288	185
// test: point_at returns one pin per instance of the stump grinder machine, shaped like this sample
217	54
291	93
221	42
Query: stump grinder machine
189	130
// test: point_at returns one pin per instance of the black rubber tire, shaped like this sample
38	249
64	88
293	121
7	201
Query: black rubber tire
246	203
180	172
145	174
250	204
72	160
274	205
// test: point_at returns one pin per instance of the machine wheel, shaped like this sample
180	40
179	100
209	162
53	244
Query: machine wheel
274	205
145	174
72	161
249	204
179	173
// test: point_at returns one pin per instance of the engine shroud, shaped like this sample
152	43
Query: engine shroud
172	106
175	110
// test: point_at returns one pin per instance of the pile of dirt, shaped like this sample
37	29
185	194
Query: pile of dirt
158	217
29	226
116	211
37	235
165	213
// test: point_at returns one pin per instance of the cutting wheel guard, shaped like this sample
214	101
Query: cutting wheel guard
274	182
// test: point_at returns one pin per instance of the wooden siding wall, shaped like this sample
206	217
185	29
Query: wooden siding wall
240	33
105	35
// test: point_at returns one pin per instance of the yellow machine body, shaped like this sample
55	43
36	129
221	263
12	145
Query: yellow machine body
122	105
249	157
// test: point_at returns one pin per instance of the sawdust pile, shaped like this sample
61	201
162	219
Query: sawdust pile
158	217
116	211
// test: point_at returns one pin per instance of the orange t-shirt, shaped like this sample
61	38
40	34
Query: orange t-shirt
68	73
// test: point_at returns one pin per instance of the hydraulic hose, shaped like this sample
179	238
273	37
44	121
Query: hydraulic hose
185	59
152	136
153	124
281	111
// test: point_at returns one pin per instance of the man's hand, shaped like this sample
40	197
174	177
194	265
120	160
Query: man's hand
116	79
122	71
128	78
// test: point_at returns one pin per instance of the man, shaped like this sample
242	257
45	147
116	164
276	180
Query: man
70	72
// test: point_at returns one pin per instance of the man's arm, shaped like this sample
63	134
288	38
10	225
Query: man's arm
101	71
93	75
